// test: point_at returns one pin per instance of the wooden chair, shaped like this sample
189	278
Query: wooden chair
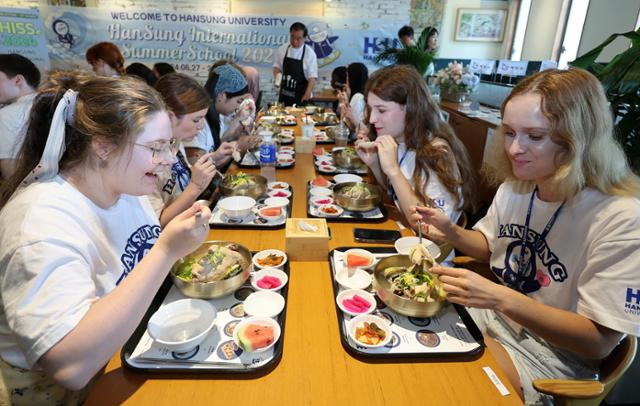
573	392
567	392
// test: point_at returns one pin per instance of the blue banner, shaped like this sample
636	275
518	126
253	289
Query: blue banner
192	42
21	32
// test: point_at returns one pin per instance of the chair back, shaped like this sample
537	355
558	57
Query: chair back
616	364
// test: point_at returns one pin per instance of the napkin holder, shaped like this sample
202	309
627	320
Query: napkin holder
305	145
307	245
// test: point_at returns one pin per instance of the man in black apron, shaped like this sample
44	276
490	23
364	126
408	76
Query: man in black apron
297	82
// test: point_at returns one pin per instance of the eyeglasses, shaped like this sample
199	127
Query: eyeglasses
161	149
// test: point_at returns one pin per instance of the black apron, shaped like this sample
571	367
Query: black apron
293	84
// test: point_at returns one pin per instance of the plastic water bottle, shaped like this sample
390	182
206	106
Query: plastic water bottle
268	156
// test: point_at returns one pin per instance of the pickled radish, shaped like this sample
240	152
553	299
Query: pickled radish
268	282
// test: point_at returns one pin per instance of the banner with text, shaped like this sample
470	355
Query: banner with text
192	42
21	32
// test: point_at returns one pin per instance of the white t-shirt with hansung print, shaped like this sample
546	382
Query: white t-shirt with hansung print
59	253
440	195
171	183
587	264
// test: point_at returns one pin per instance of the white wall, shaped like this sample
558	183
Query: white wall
541	30
449	48
606	17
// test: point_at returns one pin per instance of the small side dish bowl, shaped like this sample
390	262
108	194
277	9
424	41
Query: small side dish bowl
358	322
359	258
403	246
237	206
321	200
264	304
279	193
271	212
257	334
270	258
356	301
359	279
331	210
182	325
276	201
269	279
320	191
278	185
346	177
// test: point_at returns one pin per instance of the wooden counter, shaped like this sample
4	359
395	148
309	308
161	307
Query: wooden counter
314	369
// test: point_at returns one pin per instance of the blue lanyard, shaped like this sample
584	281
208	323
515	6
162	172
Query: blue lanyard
521	264
390	191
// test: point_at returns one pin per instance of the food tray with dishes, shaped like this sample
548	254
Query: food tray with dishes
286	158
346	198
325	119
250	201
383	312
340	160
228	326
324	136
286	120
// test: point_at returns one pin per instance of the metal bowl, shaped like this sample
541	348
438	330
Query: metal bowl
322	118
362	204
401	305
212	290
256	189
347	158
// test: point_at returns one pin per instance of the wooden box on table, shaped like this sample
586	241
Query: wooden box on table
304	245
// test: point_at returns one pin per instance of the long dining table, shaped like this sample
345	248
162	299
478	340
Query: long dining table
314	368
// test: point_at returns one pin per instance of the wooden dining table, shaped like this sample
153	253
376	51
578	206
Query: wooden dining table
314	368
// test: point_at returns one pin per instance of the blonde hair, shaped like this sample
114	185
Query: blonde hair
581	122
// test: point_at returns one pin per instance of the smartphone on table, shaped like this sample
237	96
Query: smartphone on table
376	235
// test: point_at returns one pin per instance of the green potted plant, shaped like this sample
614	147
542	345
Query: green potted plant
621	81
417	55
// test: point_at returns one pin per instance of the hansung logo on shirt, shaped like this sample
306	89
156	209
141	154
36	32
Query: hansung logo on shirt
632	302
138	244
533	276
180	175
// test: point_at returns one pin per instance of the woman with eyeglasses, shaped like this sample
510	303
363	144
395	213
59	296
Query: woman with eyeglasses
178	188
562	236
81	251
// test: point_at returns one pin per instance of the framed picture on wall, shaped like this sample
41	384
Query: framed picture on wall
480	24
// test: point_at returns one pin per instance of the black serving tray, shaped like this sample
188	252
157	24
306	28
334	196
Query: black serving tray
131	344
430	356
267	226
357	218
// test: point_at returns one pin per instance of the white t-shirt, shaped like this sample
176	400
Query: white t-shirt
13	125
309	63
434	188
587	264
171	183
59	253
203	141
357	105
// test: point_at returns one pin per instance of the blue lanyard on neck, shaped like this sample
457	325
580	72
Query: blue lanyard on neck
521	263
390	191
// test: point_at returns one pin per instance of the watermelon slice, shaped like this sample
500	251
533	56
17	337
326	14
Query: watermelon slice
320	181
255	336
271	211
354	261
317	151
